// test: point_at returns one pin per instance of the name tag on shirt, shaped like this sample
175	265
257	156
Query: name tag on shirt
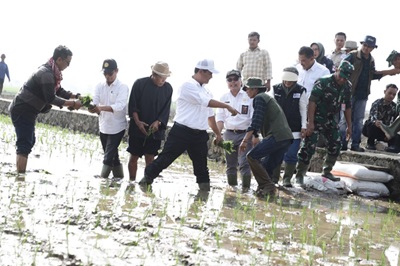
245	109
296	95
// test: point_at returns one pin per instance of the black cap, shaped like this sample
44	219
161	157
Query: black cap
233	72
109	65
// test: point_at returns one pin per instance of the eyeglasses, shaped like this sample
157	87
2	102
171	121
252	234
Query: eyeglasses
232	79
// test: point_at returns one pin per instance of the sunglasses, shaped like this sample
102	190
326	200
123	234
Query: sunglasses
232	79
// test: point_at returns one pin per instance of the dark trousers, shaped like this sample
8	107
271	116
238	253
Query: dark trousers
179	140
1	85
375	133
25	131
264	157
110	143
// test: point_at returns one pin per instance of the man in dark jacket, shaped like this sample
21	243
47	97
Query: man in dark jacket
149	107
364	73
293	100
37	95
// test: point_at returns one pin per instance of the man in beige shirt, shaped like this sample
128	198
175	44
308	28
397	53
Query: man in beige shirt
255	62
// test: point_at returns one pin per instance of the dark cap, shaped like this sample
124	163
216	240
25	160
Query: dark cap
370	41
109	65
233	72
254	83
393	55
345	69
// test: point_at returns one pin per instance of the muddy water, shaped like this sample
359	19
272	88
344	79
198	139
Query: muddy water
59	213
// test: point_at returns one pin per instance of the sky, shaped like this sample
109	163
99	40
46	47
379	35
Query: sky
137	34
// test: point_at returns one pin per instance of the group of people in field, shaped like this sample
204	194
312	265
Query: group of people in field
318	102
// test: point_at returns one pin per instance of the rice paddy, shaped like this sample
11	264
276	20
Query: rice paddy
60	213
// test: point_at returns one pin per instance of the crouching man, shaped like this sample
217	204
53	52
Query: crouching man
270	120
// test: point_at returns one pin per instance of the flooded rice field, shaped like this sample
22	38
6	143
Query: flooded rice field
59	213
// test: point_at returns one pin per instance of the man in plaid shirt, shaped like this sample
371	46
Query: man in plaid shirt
255	62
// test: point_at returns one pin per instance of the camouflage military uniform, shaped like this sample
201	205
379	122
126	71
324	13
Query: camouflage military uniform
329	98
387	113
398	102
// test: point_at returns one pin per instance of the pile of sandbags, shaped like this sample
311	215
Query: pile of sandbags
362	181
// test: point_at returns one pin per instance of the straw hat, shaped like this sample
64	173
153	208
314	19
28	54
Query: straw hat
161	69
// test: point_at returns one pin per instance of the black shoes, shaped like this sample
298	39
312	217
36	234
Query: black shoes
392	149
371	147
357	149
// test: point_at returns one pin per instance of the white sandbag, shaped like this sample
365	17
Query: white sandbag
360	172
362	187
367	194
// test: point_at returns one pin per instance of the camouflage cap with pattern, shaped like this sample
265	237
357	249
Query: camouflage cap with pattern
345	69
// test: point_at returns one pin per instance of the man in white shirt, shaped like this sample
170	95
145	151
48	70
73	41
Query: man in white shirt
194	114
110	100
309	72
235	128
309	69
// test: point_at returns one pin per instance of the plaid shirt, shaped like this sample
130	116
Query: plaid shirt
255	63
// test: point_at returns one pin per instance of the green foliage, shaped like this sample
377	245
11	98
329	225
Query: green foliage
227	145
149	132
87	101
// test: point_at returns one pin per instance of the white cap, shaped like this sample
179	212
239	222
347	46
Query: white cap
290	74
207	64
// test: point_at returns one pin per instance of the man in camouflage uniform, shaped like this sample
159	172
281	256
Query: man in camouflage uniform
329	95
383	112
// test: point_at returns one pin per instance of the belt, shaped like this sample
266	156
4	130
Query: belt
237	131
194	131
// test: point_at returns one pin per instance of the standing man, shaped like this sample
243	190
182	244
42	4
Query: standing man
235	128
255	62
110	99
394	59
270	120
348	47
292	98
309	69
364	73
38	94
194	114
3	71
327	97
309	72
337	54
149	107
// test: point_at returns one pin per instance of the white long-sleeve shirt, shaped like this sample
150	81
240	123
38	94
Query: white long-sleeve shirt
116	96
